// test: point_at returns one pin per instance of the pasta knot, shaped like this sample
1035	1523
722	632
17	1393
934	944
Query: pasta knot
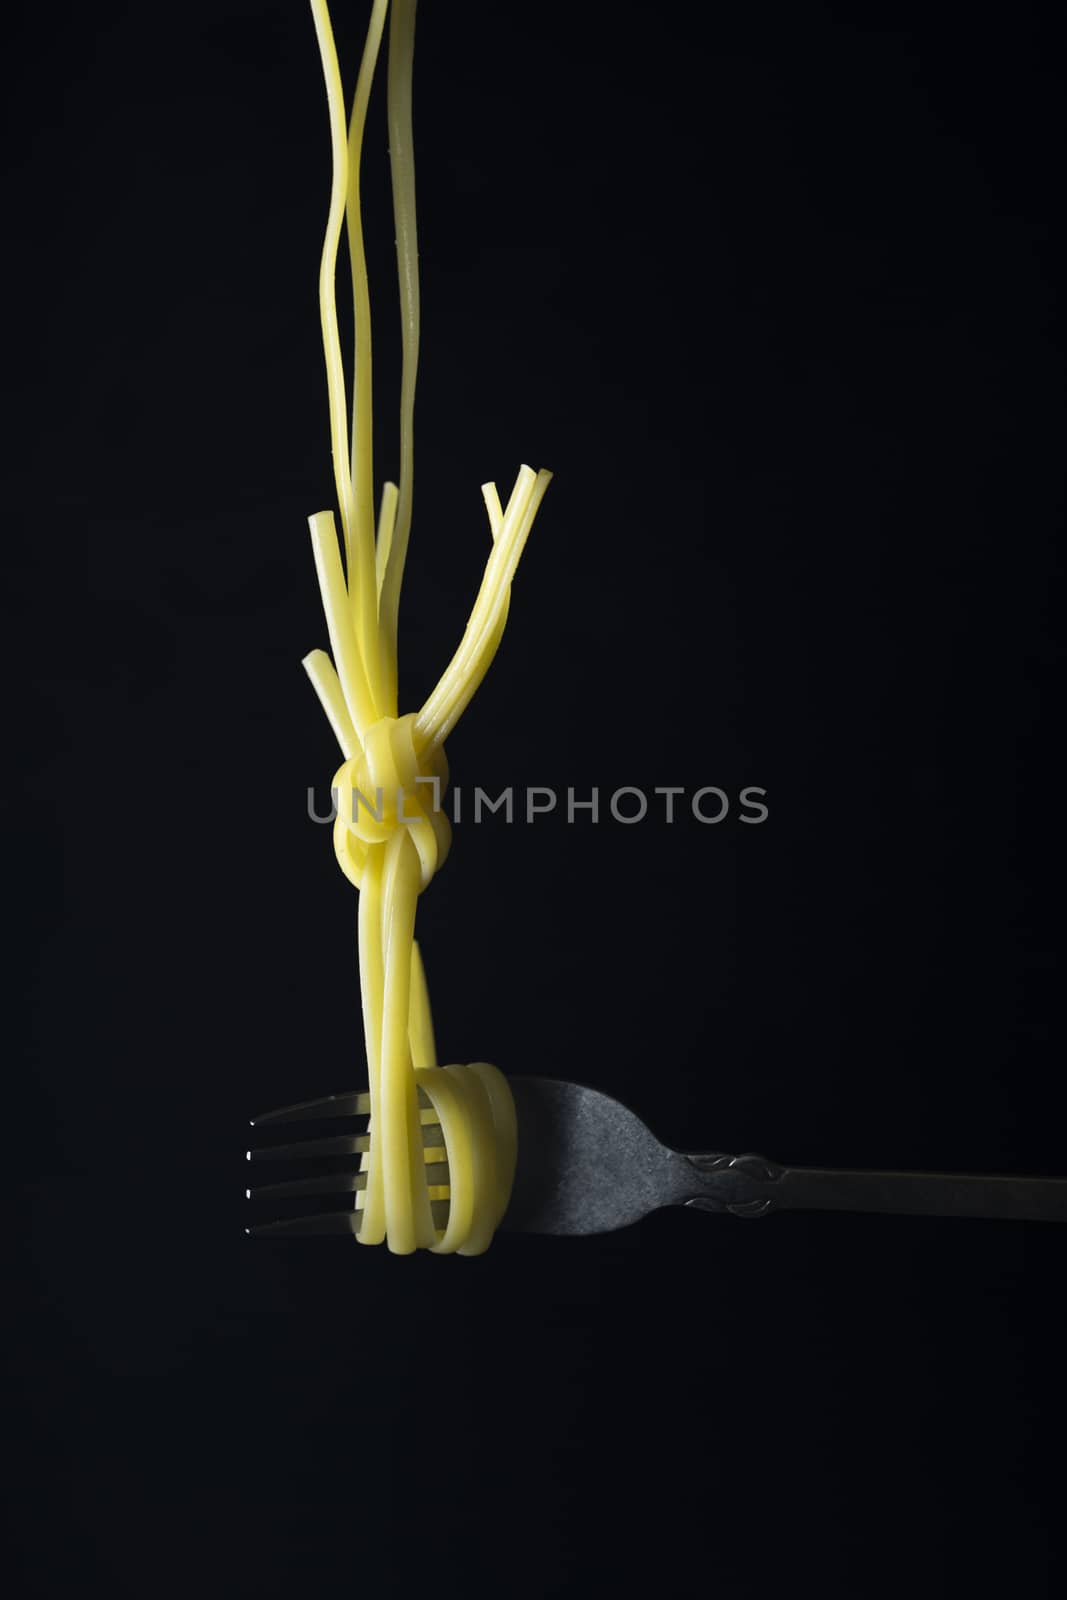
395	782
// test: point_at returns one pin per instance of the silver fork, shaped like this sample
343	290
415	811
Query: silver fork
587	1164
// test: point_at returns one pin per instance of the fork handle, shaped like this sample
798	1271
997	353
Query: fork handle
750	1186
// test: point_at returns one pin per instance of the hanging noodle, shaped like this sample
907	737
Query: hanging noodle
441	1151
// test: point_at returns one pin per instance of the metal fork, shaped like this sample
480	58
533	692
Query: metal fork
587	1164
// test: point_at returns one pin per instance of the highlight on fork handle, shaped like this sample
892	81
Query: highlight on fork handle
751	1186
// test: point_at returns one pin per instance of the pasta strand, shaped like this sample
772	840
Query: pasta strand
402	167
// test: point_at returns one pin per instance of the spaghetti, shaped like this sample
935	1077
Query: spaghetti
390	832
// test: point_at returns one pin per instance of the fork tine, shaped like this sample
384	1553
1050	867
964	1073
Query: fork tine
343	1145
349	1104
336	1183
330	1222
332	1183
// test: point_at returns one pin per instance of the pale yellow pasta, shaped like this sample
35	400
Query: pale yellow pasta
391	833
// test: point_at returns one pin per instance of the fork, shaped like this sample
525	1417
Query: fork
587	1164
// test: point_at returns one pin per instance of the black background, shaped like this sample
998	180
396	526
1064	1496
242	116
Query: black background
777	304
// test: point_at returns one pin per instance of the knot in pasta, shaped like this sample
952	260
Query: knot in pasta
393	783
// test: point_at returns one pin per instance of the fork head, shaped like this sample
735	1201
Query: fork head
586	1164
344	1181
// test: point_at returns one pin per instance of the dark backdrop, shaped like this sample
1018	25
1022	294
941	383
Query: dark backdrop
777	302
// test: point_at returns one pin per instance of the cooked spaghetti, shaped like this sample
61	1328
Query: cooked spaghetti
391	833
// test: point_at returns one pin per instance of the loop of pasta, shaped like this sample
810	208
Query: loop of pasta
384	787
391	834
